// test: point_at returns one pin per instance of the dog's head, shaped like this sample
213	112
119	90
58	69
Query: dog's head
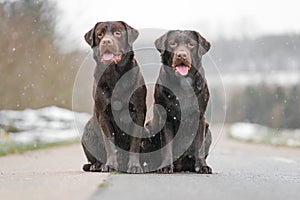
182	50
110	40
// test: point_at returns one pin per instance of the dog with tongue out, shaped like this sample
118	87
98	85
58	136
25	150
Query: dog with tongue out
182	73
111	139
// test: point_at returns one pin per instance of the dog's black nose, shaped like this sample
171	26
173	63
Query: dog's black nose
107	41
181	54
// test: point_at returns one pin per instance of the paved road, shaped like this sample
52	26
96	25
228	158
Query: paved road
47	174
242	171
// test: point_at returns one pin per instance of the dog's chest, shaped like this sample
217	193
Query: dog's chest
114	92
186	102
172	106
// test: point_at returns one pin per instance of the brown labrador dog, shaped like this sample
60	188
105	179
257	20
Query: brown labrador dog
112	50
181	56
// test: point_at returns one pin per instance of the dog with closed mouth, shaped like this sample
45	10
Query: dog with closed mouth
181	56
105	143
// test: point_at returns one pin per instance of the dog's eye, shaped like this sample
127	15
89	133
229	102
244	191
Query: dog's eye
100	35
117	33
191	45
173	44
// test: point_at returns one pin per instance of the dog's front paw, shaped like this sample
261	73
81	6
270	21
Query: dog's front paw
203	169
108	168
135	169
167	169
111	165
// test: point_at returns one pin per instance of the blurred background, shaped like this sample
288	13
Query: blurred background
253	67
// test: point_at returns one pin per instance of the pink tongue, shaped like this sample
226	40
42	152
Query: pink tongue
182	69
108	56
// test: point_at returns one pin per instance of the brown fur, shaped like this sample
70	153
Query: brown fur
182	48
102	130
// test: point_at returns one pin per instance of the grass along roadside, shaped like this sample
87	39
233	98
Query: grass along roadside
14	148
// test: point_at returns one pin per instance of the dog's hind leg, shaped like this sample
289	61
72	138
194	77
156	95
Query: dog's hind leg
93	147
94	165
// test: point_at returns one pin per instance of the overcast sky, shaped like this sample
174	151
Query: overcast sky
213	18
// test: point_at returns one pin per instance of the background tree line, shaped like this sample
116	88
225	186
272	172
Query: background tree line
33	71
273	106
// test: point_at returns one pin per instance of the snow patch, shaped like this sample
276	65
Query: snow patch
262	134
247	131
46	125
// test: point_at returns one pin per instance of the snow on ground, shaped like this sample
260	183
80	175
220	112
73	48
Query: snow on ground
45	125
261	134
53	124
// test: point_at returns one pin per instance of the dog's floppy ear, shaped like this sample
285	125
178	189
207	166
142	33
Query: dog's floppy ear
131	32
204	45
90	36
160	43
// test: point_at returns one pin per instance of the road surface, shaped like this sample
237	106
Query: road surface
47	174
241	171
